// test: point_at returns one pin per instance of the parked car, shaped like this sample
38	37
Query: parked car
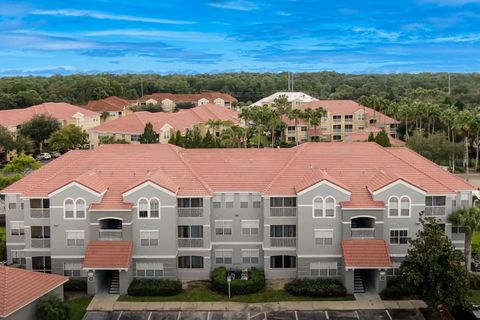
56	154
44	156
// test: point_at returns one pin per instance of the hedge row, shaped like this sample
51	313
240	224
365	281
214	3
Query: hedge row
76	285
316	288
255	283
154	287
394	290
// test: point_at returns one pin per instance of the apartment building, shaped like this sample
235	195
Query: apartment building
336	210
131	127
113	107
345	120
295	98
168	101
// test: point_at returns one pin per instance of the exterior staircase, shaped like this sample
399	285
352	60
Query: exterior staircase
114	283
358	285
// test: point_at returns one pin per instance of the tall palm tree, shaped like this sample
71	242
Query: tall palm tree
307	116
273	122
464	123
469	218
447	117
295	114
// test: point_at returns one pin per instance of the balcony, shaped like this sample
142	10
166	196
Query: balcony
283	242
190	212
363	233
39	213
434	211
190	242
110	234
283	212
40	243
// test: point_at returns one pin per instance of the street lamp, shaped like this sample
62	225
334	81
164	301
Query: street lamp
229	281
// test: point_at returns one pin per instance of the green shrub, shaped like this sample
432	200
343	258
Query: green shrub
255	283
394	290
474	282
75	285
51	307
316	288
154	287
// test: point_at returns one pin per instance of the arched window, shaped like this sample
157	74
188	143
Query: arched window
318	207
143	208
80	208
69	209
393	207
405	207
154	208
373	121
329	207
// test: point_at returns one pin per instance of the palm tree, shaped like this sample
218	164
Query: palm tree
317	117
104	115
464	123
447	117
295	114
469	218
307	116
273	122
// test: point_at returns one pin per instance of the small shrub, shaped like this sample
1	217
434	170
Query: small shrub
474	282
76	285
316	288
394	290
255	283
51	307
154	287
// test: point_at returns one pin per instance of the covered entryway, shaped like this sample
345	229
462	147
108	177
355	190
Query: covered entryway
108	266
366	262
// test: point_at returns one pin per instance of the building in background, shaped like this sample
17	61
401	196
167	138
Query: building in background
295	98
110	108
169	101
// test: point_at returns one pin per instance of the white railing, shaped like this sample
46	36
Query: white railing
40	243
190	242
283	242
435	211
283	212
110	234
40	212
190	212
363	233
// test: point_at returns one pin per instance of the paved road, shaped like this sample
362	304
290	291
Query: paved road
397	314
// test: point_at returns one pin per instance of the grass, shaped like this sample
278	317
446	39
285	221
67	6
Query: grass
200	292
3	236
476	238
77	306
475	296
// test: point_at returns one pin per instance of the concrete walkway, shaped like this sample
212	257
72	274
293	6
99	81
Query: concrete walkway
109	303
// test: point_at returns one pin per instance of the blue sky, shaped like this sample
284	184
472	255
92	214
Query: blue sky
196	36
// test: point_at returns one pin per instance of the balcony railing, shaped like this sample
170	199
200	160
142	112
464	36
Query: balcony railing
190	212
190	242
283	242
283	212
435	211
40	212
110	234
41	243
363	233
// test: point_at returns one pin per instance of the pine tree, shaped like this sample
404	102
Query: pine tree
382	139
149	135
208	140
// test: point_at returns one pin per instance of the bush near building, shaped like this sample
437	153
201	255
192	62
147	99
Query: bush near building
394	290
316	288
255	283
75	285
154	287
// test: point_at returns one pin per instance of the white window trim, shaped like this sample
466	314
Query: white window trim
319	265
324	207
397	229
146	265
322	230
220	253
149	238
222	222
399	207
149	211
254	221
21	225
74	231
74	208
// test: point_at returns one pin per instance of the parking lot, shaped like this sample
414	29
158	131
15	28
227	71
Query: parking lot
397	314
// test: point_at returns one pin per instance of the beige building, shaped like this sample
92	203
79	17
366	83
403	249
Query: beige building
169	101
114	107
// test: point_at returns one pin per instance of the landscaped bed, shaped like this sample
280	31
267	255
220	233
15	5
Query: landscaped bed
77	304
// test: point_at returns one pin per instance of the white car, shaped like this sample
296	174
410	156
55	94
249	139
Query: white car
44	156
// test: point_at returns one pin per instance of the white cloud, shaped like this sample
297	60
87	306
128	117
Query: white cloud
239	5
283	13
104	16
158	34
377	33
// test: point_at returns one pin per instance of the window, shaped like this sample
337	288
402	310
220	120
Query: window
12	202
149	238
323	237
404	207
361	116
283	231
393	207
399	236
361	128
244	200
135	137
42	264
74	209
190	202
75	238
318	207
40	232
303	128
337	138
223	227
166	135
458	229
435	205
373	121
291	128
337	118
323	269
329	207
348	117
190	232
223	256
348	128
17	228
250	227
190	262
337	128
72	269
283	262
250	256
291	139
217	201
323	207
229	198
149	269
39	203
148	208
257	201
464	199
288	202
18	257
395	271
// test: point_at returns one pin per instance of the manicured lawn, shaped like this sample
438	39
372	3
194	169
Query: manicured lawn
200	292
475	296
77	307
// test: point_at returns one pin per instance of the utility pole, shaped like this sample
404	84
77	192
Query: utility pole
141	86
288	80
292	79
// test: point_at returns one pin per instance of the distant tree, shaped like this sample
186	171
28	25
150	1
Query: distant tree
21	164
382	139
208	140
184	105
177	139
23	144
469	219
51	307
28	98
433	269
193	138
149	135
6	180
371	137
464	124
111	140
435	147
6	139
39	129
104	115
68	138
149	107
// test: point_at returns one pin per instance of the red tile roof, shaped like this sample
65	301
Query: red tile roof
19	287
366	254
59	110
188	97
201	172
108	255
112	103
182	120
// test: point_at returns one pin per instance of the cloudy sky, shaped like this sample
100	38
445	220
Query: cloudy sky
196	36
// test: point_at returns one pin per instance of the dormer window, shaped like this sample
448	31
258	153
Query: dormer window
323	207
399	207
74	208
148	208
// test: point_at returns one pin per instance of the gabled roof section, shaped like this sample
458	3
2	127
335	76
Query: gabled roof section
104	254
156	177
315	176
385	177
366	254
112	103
19	287
188	97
